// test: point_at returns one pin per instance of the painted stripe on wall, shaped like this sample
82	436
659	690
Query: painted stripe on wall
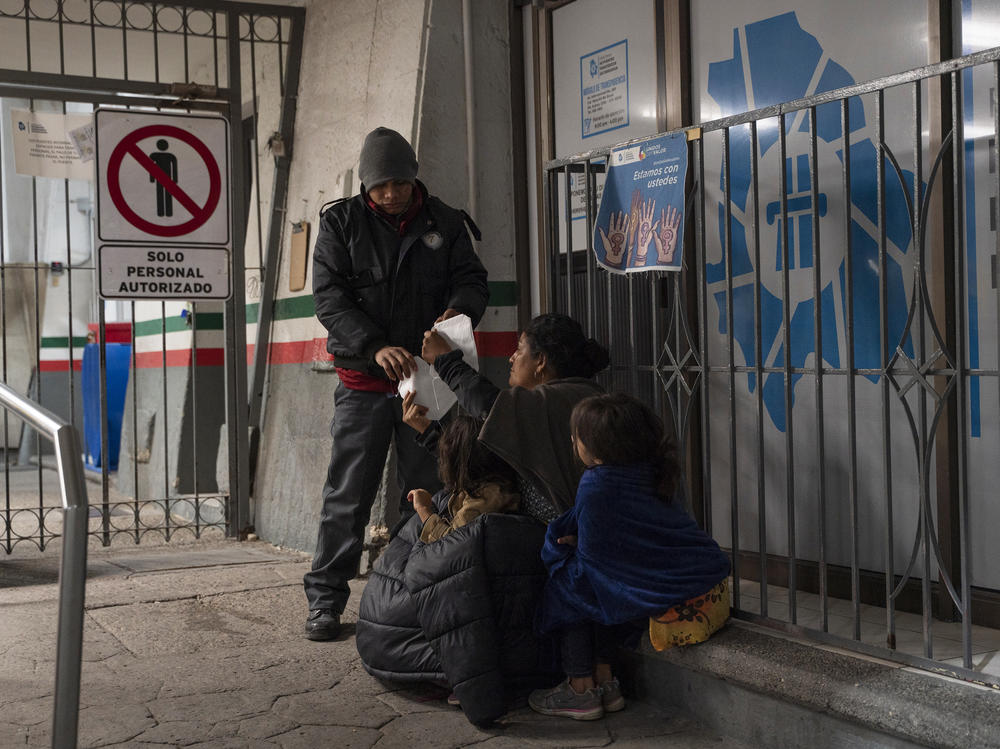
287	347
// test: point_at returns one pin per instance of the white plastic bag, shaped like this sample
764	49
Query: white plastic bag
431	391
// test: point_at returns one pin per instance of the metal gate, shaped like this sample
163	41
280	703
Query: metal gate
828	358
160	392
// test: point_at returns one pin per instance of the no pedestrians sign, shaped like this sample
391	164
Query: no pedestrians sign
162	183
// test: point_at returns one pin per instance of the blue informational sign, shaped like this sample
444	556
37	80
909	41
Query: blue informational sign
640	224
604	89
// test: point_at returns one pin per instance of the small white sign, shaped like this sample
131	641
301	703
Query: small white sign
162	178
193	273
604	89
43	146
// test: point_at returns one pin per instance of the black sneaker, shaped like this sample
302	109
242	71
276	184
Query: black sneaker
322	624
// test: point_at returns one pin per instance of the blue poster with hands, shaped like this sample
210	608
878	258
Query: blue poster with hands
640	224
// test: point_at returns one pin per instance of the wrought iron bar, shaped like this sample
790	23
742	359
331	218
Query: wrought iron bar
727	250
852	429
824	603
964	601
883	316
758	335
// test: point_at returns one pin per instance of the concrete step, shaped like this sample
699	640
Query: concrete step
767	689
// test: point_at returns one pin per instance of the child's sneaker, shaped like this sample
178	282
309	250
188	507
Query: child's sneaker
567	703
611	696
453	700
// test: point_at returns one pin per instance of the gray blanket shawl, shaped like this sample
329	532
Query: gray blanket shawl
530	430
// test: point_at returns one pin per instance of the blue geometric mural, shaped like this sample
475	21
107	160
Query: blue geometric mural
782	60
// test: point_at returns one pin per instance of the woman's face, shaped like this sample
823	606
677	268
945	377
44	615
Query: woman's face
523	366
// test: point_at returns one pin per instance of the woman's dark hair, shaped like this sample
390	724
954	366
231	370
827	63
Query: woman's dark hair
569	352
465	463
616	429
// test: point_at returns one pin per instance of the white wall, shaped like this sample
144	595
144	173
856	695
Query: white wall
396	63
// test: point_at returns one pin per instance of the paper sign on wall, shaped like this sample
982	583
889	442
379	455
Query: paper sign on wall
43	146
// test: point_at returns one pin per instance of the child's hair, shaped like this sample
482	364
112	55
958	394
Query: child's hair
465	463
618	430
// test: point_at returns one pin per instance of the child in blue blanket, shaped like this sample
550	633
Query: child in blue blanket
623	553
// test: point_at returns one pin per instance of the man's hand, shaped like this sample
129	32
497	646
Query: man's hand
414	415
447	314
434	346
421	499
396	361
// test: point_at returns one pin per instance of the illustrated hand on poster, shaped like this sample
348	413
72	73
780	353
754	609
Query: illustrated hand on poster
666	238
633	218
614	240
647	230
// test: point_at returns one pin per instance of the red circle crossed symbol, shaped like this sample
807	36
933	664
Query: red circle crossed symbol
199	213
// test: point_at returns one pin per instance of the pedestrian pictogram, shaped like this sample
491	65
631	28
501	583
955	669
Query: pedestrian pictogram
163	211
168	163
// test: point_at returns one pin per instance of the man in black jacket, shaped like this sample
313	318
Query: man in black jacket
388	264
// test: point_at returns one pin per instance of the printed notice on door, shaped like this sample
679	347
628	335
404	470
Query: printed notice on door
43	146
604	89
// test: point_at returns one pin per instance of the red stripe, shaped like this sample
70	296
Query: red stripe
52	365
207	357
496	344
297	352
301	352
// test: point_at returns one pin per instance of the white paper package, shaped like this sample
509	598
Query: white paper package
431	391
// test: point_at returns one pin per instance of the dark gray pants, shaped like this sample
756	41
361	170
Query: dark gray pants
362	427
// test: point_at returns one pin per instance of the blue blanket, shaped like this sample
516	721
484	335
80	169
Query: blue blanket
635	555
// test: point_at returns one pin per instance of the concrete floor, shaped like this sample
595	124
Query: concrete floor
200	645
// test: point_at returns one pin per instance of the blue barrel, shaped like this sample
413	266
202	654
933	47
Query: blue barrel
118	356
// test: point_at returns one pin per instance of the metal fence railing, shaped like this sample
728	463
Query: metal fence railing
73	565
827	357
164	385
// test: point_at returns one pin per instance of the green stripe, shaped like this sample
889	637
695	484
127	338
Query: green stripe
204	320
62	342
294	307
503	293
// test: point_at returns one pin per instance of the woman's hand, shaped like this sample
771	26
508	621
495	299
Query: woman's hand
421	500
567	541
434	346
414	414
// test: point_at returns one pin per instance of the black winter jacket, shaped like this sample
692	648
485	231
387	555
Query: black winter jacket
461	610
373	288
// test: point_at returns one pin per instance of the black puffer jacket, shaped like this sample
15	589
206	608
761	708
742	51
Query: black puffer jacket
461	610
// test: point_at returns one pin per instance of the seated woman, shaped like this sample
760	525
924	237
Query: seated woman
528	425
461	610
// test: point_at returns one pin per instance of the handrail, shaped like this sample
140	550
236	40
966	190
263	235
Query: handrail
73	566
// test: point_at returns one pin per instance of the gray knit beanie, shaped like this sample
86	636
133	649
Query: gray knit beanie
386	156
